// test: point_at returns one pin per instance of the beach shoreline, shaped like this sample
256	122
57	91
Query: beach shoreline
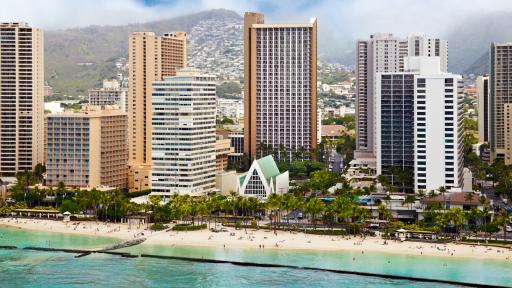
261	239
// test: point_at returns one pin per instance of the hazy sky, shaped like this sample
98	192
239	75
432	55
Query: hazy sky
342	18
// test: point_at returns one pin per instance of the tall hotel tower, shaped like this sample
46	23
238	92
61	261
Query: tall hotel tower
21	97
150	58
184	134
280	100
384	53
500	82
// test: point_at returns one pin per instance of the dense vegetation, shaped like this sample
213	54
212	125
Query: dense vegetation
348	121
195	212
334	78
231	90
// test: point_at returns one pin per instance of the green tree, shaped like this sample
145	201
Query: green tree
273	202
69	206
227	121
313	207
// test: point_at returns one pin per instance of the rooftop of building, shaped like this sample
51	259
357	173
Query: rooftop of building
455	198
91	111
14	24
333	130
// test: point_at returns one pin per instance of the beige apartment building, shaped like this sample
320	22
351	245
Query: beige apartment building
87	148
21	97
508	133
280	67
150	58
222	151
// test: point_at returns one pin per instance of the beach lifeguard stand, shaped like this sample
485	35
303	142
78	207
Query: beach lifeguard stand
67	216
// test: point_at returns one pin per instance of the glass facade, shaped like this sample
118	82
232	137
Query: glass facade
397	129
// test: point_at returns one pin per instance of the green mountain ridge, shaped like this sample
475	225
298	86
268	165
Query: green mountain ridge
469	43
101	46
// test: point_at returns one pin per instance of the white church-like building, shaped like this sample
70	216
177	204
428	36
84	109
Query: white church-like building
263	179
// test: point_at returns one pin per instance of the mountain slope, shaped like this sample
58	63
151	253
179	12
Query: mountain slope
101	46
469	41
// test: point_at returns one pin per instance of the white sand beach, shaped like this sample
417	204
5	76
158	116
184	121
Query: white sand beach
263	239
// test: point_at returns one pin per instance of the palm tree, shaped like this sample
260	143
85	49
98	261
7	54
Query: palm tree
289	204
313	207
442	190
484	213
303	153
384	214
409	199
456	216
295	153
502	220
283	157
403	177
469	197
387	199
273	203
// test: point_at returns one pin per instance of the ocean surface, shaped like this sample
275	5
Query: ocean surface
22	268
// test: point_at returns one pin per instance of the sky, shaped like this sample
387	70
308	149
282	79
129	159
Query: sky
342	18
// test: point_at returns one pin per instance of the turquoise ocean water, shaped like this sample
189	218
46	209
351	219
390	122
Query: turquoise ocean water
45	269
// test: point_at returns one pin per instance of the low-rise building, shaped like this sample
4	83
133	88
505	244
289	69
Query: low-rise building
226	182
334	132
263	179
110	94
222	150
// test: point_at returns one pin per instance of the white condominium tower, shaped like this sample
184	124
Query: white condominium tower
280	100
110	94
384	53
21	97
184	136
419	128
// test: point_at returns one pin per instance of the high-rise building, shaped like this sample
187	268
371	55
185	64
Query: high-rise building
150	58
87	148
184	134
110	94
482	87
419	120
384	53
21	97
395	128
420	45
280	101
381	53
508	133
500	81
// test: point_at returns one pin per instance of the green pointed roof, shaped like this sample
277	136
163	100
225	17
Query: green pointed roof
268	167
242	179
